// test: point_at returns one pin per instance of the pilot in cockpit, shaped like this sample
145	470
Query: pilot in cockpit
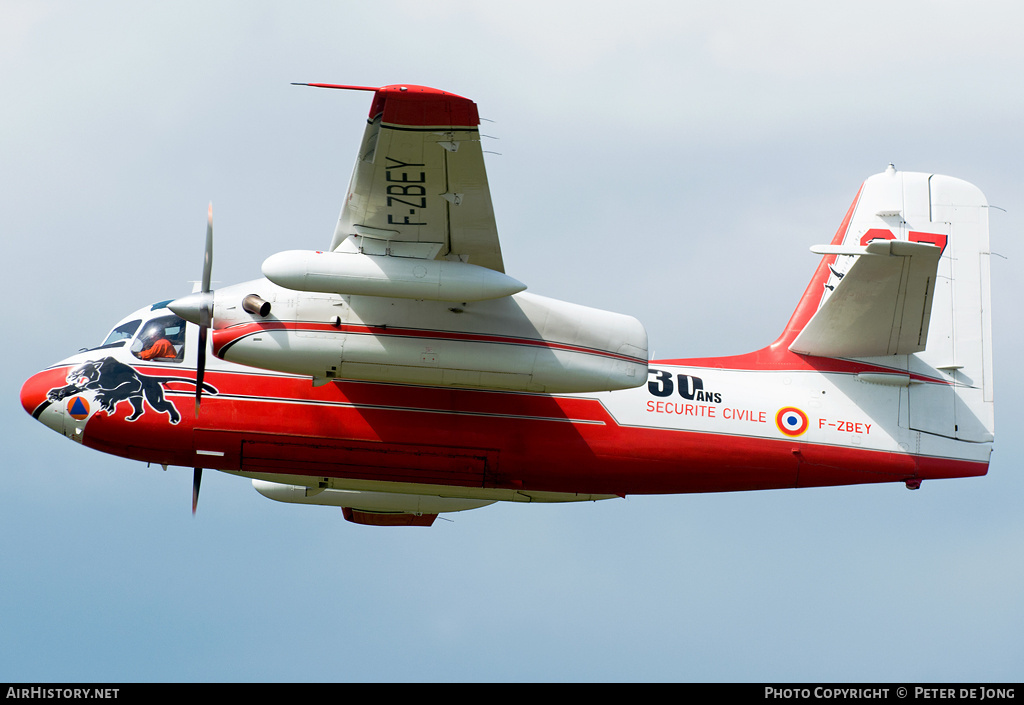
156	344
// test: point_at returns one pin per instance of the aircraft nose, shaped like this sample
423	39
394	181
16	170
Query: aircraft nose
33	393
35	400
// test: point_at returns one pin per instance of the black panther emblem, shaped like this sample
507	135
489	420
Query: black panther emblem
113	382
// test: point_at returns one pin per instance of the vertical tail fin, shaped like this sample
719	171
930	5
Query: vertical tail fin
905	284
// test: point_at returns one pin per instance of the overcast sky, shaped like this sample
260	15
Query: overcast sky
673	161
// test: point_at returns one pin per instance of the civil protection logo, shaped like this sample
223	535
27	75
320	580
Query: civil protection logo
78	408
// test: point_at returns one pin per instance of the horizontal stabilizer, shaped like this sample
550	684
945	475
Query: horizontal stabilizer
880	305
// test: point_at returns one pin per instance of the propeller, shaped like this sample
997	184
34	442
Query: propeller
205	308
197	477
198	308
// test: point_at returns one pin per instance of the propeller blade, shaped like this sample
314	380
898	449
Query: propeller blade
200	366
205	316
205	308
197	478
208	256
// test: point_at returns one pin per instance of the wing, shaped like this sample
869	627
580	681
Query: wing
419	188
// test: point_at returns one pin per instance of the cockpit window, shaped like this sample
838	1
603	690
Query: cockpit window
161	339
122	332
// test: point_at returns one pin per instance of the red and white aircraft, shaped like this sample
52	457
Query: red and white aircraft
401	373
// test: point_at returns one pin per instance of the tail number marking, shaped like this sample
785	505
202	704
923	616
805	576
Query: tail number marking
937	239
845	426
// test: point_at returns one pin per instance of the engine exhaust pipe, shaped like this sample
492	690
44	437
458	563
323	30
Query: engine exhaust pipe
256	306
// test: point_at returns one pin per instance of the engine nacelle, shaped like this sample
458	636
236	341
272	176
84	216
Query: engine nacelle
523	342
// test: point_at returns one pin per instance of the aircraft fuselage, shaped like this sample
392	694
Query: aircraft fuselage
696	426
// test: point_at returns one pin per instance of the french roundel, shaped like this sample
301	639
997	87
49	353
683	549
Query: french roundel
791	421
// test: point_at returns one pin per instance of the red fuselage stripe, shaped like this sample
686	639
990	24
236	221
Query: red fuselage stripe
258	423
226	337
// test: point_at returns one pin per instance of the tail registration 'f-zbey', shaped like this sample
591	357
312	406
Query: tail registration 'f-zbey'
401	373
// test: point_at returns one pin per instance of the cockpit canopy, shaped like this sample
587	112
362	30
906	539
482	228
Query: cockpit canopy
153	333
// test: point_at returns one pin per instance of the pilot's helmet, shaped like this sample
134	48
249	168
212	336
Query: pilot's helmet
152	333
